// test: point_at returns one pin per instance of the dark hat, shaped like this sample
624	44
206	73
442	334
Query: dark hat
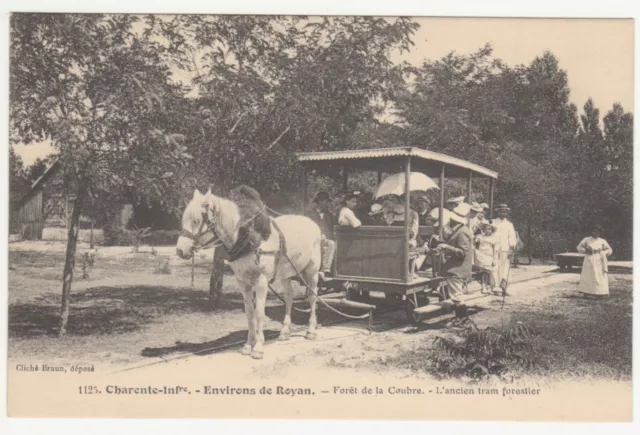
596	227
322	196
503	207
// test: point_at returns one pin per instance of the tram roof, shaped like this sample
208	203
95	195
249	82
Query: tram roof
383	159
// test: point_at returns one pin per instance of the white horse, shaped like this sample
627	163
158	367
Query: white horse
208	216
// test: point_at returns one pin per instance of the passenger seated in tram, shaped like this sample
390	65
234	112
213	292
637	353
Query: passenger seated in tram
422	208
365	199
376	216
414	222
347	216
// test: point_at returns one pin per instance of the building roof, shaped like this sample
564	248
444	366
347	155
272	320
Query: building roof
36	185
376	158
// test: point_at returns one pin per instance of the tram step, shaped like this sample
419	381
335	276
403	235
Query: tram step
347	303
432	308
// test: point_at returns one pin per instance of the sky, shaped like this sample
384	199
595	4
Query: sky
597	54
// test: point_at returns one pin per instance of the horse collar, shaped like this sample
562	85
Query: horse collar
242	246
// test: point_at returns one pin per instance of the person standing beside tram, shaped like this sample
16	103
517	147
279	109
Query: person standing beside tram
457	248
507	240
325	219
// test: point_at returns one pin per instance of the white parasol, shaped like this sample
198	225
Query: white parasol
394	184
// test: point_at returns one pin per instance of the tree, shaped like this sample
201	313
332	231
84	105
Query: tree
516	120
99	91
37	168
617	213
265	87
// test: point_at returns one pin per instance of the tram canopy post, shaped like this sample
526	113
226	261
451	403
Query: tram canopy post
304	191
407	200
469	181
491	187
345	178
441	212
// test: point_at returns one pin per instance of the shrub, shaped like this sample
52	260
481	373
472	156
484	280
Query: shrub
162	265
481	353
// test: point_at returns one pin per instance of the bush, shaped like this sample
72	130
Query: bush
481	353
162	265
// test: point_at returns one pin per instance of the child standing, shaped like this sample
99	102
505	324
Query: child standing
486	254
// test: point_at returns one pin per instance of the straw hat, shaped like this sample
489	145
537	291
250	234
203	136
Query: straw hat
460	213
376	209
503	207
435	214
456	200
476	207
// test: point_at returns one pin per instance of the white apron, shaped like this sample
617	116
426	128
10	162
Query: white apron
594	279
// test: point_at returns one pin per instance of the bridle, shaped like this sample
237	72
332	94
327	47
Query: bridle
207	226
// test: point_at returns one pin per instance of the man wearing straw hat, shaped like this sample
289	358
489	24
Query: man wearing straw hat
458	261
507	240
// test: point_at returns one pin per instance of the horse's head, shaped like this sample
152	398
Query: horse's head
196	224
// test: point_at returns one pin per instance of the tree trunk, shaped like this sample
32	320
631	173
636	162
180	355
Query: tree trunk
529	248
91	236
70	260
217	275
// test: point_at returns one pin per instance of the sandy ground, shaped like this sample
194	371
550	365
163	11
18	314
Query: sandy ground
186	346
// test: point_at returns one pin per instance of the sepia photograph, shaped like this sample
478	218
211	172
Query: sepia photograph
320	217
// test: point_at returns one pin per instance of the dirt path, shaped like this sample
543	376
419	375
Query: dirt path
352	346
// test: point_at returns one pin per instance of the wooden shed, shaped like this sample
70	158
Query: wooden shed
48	206
30	212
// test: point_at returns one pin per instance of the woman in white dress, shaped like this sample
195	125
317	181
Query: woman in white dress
594	280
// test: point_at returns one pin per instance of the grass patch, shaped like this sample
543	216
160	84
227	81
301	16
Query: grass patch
568	337
585	338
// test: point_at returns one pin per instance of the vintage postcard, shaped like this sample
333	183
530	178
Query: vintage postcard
320	217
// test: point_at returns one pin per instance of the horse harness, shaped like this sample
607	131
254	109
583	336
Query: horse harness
243	246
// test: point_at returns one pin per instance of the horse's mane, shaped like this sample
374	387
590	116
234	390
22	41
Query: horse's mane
249	204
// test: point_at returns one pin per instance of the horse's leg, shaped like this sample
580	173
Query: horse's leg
247	295
310	275
285	333
260	288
